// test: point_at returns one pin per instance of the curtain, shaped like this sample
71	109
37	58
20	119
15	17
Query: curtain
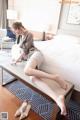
3	16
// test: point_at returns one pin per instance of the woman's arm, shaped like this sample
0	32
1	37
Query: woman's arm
27	43
19	58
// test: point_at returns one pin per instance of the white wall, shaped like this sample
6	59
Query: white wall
40	15
64	26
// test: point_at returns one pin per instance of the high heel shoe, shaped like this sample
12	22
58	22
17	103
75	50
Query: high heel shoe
26	112
21	109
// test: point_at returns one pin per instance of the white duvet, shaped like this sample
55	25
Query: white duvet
62	55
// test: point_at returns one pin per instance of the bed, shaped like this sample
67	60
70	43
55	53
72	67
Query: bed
62	55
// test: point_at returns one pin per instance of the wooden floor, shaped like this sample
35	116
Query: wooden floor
10	103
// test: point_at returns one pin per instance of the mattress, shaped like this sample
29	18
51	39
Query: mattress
62	56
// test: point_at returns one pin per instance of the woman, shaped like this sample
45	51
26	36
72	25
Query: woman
34	60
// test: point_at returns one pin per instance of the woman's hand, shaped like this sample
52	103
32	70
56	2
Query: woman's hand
13	62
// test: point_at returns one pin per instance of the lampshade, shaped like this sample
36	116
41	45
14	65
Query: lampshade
11	14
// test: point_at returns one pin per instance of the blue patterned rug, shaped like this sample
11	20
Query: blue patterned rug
73	112
40	104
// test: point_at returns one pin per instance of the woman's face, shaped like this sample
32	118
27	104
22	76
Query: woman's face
17	31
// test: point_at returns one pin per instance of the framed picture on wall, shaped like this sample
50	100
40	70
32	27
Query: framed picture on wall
74	12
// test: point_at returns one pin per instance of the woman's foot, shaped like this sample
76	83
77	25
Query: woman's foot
61	103
60	81
21	109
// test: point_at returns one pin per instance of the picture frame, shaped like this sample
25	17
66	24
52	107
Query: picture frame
74	13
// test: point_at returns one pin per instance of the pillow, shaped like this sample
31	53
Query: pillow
10	34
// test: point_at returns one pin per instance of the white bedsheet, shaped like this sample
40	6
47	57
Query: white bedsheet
62	55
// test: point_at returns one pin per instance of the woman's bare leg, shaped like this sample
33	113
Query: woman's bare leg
59	99
31	71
